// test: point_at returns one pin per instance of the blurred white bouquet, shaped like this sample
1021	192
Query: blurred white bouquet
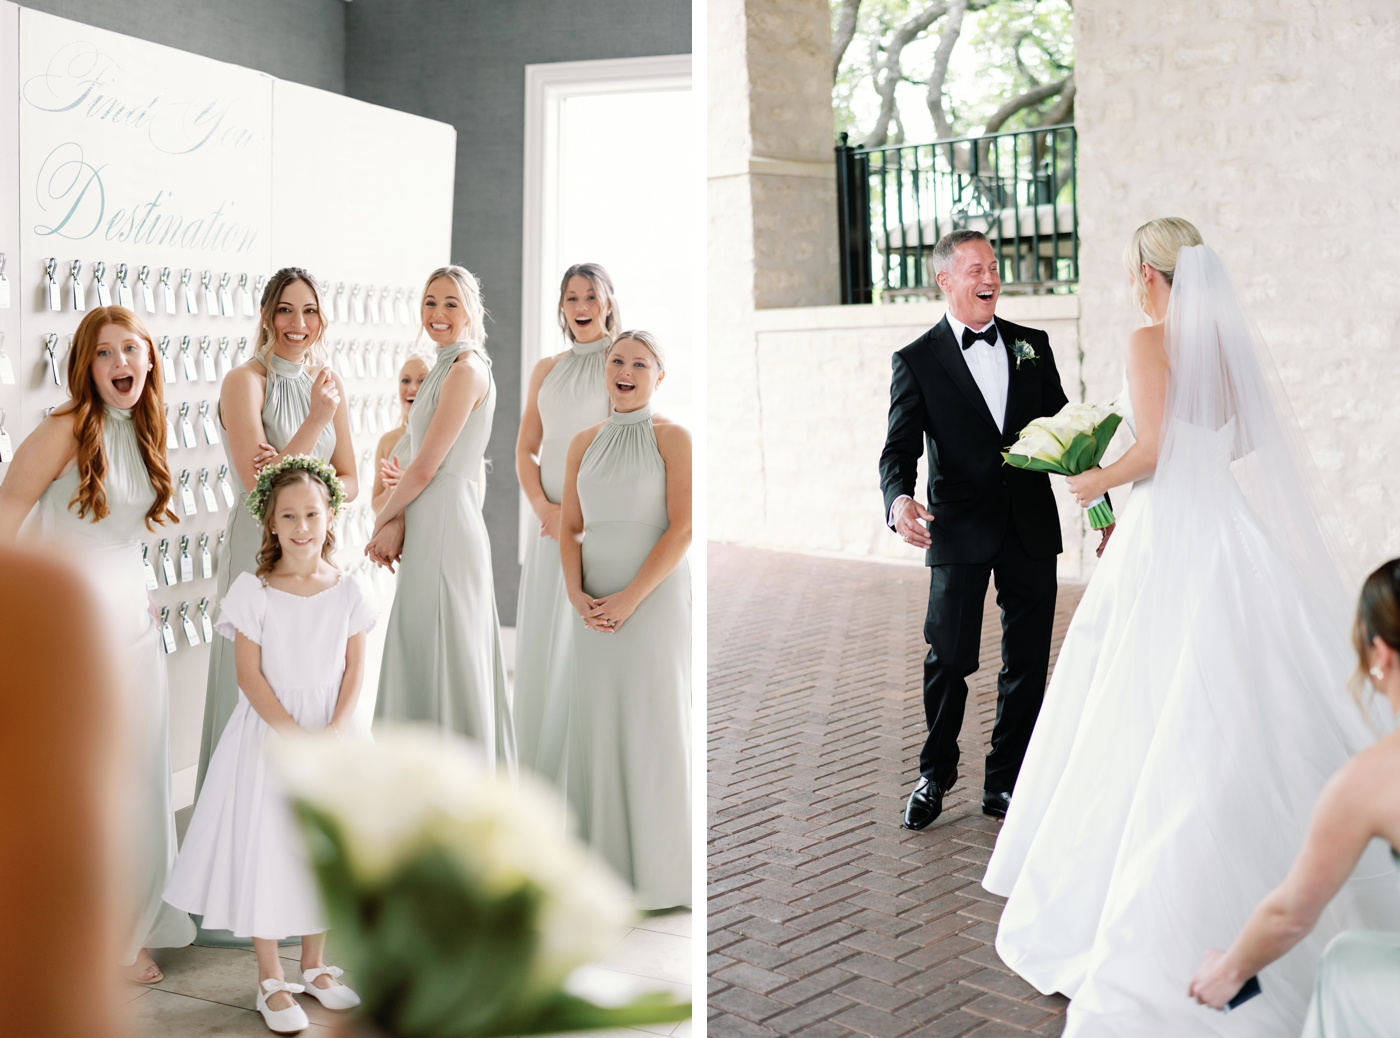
1070	443
460	900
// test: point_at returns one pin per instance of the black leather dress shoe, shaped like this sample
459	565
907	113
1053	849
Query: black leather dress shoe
995	804
926	802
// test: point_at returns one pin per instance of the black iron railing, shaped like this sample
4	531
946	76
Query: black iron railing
1017	188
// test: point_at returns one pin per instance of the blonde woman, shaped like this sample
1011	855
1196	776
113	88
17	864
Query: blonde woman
282	401
624	533
567	394
389	455
442	661
1198	705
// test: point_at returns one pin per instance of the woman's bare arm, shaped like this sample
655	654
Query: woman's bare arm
462	390
379	493
343	457
673	443
571	529
529	441
43	456
1357	804
1147	389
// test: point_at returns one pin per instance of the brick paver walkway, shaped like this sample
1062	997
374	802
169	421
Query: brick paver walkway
826	918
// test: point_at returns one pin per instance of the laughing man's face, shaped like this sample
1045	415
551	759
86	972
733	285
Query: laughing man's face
971	284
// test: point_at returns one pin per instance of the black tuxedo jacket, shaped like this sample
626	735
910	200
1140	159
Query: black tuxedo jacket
972	493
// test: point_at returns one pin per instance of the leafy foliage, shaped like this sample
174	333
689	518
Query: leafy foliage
1006	48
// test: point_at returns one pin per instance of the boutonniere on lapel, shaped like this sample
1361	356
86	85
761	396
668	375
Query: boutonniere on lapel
1022	350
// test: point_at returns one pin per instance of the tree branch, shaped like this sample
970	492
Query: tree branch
887	74
951	30
1063	110
845	33
1031	97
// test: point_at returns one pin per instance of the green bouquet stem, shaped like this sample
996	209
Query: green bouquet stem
1100	515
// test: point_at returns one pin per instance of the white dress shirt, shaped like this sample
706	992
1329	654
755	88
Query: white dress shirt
990	370
989	367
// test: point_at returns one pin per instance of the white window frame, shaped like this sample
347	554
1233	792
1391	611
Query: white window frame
546	88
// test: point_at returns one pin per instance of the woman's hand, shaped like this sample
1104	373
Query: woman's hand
1087	487
265	454
549	522
390	472
613	610
1217	981
386	546
587	607
325	398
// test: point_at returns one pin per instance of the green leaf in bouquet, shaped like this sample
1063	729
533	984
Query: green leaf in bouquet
1078	453
1022	461
1103	434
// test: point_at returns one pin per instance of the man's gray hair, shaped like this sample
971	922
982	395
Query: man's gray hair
948	244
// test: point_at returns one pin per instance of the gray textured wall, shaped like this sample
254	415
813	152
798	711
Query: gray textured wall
299	40
462	62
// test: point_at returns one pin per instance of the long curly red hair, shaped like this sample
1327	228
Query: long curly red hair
148	419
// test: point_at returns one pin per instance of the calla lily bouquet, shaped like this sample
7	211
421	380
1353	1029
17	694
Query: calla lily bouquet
1069	443
459	899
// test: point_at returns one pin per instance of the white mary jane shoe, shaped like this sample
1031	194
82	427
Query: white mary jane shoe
281	1021
337	997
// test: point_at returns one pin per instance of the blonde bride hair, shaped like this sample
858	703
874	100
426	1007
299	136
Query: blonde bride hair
1156	243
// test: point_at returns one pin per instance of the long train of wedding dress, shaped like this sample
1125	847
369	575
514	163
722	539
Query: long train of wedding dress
1197	707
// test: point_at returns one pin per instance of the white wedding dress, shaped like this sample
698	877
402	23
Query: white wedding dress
1197	707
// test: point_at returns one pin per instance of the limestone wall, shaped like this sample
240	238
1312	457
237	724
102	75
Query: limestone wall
1273	127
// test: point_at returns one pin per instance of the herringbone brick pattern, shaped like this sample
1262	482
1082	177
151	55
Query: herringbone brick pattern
827	918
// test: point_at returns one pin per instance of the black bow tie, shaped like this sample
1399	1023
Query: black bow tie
987	335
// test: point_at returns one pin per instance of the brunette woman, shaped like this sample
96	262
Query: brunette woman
567	394
283	401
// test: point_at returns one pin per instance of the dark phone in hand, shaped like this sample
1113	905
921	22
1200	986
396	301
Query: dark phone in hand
1250	989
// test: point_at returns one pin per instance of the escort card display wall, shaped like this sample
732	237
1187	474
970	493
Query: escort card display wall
174	185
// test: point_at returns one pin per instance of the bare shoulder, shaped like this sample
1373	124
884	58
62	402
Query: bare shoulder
1147	340
543	367
335	377
388	442
245	378
669	433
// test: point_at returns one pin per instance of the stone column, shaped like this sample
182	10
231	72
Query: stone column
772	220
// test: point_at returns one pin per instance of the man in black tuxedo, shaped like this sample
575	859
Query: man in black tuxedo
967	388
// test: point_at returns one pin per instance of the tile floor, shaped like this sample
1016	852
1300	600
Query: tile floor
209	991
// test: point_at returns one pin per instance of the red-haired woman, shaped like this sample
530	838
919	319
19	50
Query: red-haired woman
96	467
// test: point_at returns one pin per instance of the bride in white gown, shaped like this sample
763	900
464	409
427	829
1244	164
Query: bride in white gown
1198	703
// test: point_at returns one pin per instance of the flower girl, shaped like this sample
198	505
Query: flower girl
298	627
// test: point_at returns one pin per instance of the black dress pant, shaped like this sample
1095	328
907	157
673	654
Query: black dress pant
953	629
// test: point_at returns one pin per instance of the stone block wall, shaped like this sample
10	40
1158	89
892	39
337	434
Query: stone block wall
1273	127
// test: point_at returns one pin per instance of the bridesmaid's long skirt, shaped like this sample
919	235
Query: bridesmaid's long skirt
242	539
628	767
443	665
151	820
1358	987
544	662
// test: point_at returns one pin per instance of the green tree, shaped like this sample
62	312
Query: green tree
981	65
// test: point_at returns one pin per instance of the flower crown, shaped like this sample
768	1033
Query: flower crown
323	470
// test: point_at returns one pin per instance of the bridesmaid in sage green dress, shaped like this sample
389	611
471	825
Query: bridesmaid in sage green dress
442	663
97	469
1357	990
567	394
283	401
625	531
